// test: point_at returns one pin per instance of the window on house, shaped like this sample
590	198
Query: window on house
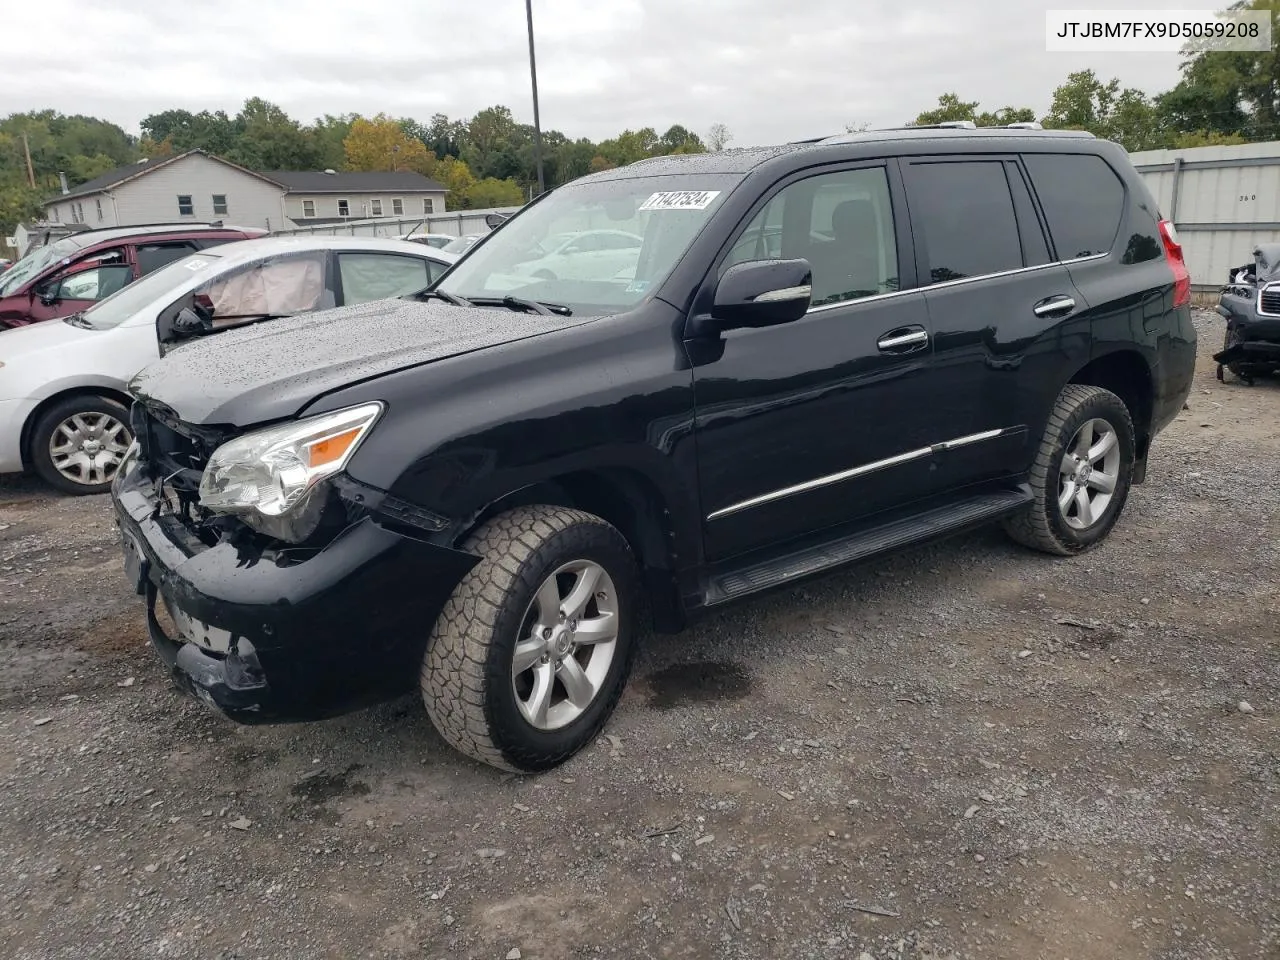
344	208
220	203
375	208
99	203
185	207
308	208
428	205
397	207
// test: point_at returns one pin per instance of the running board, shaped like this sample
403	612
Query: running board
938	521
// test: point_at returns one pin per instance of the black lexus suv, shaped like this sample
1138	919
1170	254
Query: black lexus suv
653	391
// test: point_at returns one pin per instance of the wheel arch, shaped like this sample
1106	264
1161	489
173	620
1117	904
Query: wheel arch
1128	375
631	502
84	390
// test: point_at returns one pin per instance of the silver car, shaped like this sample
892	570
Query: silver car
63	383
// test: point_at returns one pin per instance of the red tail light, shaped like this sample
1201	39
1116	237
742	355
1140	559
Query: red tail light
1173	253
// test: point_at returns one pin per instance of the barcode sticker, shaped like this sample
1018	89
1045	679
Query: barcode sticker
197	264
680	200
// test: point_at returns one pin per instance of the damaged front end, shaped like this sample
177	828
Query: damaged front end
1250	304
317	603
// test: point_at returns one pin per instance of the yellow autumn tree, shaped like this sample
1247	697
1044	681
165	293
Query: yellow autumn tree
380	143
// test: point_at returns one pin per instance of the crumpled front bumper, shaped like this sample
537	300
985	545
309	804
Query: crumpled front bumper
265	638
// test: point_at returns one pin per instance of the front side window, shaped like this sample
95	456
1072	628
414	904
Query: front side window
93	284
308	208
965	213
185	207
842	223
220	203
378	276
1083	201
144	292
397	207
277	286
536	254
344	208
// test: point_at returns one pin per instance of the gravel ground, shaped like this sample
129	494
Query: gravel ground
966	751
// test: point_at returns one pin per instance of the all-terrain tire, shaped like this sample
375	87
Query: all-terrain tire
1042	525
466	676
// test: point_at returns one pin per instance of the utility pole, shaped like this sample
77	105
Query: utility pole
31	173
533	75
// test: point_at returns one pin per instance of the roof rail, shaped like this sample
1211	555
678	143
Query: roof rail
1026	125
955	124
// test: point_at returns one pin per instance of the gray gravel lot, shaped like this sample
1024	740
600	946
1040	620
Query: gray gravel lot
966	751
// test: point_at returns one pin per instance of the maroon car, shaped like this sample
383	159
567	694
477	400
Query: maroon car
75	272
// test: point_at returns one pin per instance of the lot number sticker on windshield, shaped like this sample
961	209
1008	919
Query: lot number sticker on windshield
680	200
197	264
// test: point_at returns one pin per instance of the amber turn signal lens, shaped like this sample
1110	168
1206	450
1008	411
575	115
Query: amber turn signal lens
333	448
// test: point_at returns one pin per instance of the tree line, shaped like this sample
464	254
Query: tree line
488	159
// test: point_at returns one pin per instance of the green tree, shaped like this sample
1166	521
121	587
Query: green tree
457	178
679	139
718	137
329	133
491	192
629	146
1128	116
381	143
951	108
272	140
489	133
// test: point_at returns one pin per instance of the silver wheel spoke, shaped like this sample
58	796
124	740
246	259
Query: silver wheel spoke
528	652
601	629
1084	506
535	708
1100	449
548	600
582	591
1084	439
1066	496
576	684
1102	482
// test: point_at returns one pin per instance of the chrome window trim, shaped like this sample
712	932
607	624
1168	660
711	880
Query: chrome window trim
954	283
863	469
785	293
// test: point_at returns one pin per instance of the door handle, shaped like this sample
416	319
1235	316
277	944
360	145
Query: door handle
898	339
1052	305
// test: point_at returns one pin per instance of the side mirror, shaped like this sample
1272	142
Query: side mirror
494	220
762	293
192	322
47	292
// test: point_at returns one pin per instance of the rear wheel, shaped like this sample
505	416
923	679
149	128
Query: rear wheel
1081	475
530	655
78	444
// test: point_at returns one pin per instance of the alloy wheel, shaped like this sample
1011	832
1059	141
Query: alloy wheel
1089	474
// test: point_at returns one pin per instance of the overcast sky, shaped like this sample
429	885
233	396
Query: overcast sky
770	70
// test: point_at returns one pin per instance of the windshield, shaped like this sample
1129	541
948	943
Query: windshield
35	263
123	304
598	247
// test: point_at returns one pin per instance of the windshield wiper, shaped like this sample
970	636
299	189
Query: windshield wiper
526	306
452	298
77	320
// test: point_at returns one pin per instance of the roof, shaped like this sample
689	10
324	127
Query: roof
128	172
742	160
357	181
87	238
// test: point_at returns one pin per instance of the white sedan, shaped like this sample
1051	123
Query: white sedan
589	255
63	383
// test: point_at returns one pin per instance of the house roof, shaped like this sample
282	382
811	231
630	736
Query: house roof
128	172
360	181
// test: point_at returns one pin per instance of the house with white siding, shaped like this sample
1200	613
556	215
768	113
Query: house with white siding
329	196
200	187
194	186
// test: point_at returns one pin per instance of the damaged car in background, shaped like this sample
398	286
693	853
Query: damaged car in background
1250	303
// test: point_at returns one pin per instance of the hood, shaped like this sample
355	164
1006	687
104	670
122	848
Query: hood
1266	257
45	335
272	369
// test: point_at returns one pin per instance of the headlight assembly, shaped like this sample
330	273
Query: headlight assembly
270	472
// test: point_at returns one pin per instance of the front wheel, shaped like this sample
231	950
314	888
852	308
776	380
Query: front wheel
78	444
1081	475
529	657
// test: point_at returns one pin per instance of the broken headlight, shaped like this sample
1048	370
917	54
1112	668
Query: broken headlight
273	478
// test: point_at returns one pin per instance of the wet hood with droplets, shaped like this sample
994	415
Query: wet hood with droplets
271	370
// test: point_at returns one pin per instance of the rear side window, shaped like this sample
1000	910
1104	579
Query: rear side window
965	212
1082	198
153	256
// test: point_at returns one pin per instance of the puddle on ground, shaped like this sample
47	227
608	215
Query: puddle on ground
684	683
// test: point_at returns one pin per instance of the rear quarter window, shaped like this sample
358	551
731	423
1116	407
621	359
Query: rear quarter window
1082	199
